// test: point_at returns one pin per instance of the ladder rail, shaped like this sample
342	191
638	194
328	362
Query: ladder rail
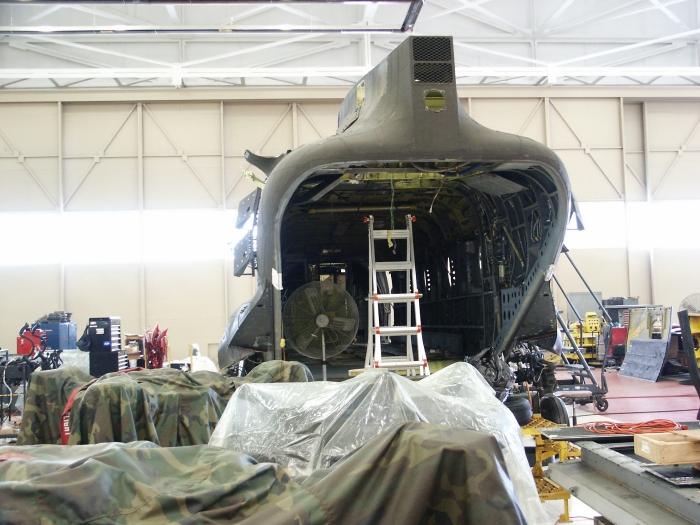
411	298
370	304
375	305
412	264
421	348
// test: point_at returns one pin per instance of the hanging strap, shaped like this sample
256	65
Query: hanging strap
65	416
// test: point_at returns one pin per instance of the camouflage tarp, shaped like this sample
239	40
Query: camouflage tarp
165	406
415	474
304	427
47	394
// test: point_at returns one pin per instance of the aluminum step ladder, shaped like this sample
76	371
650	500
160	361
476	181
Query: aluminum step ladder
376	331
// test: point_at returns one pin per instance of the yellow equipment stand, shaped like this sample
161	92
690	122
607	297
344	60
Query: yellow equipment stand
545	449
586	337
695	330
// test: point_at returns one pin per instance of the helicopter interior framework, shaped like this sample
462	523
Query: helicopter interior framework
480	229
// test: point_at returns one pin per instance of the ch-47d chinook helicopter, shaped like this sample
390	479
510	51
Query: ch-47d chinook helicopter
490	209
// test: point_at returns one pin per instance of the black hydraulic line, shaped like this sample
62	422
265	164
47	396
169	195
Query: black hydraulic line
565	251
689	351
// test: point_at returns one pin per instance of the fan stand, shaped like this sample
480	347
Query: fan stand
322	322
323	354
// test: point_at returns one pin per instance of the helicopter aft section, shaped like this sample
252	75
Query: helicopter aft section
491	211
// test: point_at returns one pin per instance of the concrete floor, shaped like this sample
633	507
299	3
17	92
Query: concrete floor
631	400
634	400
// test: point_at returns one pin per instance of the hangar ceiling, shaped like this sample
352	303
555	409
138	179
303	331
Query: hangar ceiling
497	42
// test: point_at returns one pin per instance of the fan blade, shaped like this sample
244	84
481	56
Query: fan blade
343	324
691	303
303	340
335	301
314	300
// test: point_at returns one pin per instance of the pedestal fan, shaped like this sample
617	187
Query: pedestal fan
320	320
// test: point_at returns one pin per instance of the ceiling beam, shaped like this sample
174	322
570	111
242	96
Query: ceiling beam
663	7
46	51
316	72
12	82
560	11
452	10
299	13
252	49
506	28
582	21
627	48
499	53
99	50
370	13
474	5
301	54
172	13
248	14
645	54
644	10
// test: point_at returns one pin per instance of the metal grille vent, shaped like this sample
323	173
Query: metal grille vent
433	72
432	49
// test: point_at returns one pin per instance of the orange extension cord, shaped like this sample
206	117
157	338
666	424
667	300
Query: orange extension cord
654	426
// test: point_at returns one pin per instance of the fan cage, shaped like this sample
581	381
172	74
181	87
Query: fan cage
299	317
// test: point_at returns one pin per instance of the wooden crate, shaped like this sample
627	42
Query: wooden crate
671	448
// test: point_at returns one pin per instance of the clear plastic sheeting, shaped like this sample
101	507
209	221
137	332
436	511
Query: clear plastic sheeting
197	363
76	358
307	426
464	383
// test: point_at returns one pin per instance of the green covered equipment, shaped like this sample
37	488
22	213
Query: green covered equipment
164	406
414	474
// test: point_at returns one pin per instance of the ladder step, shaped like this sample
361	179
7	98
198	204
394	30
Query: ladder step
395	234
396	297
397	330
392	266
395	359
400	364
